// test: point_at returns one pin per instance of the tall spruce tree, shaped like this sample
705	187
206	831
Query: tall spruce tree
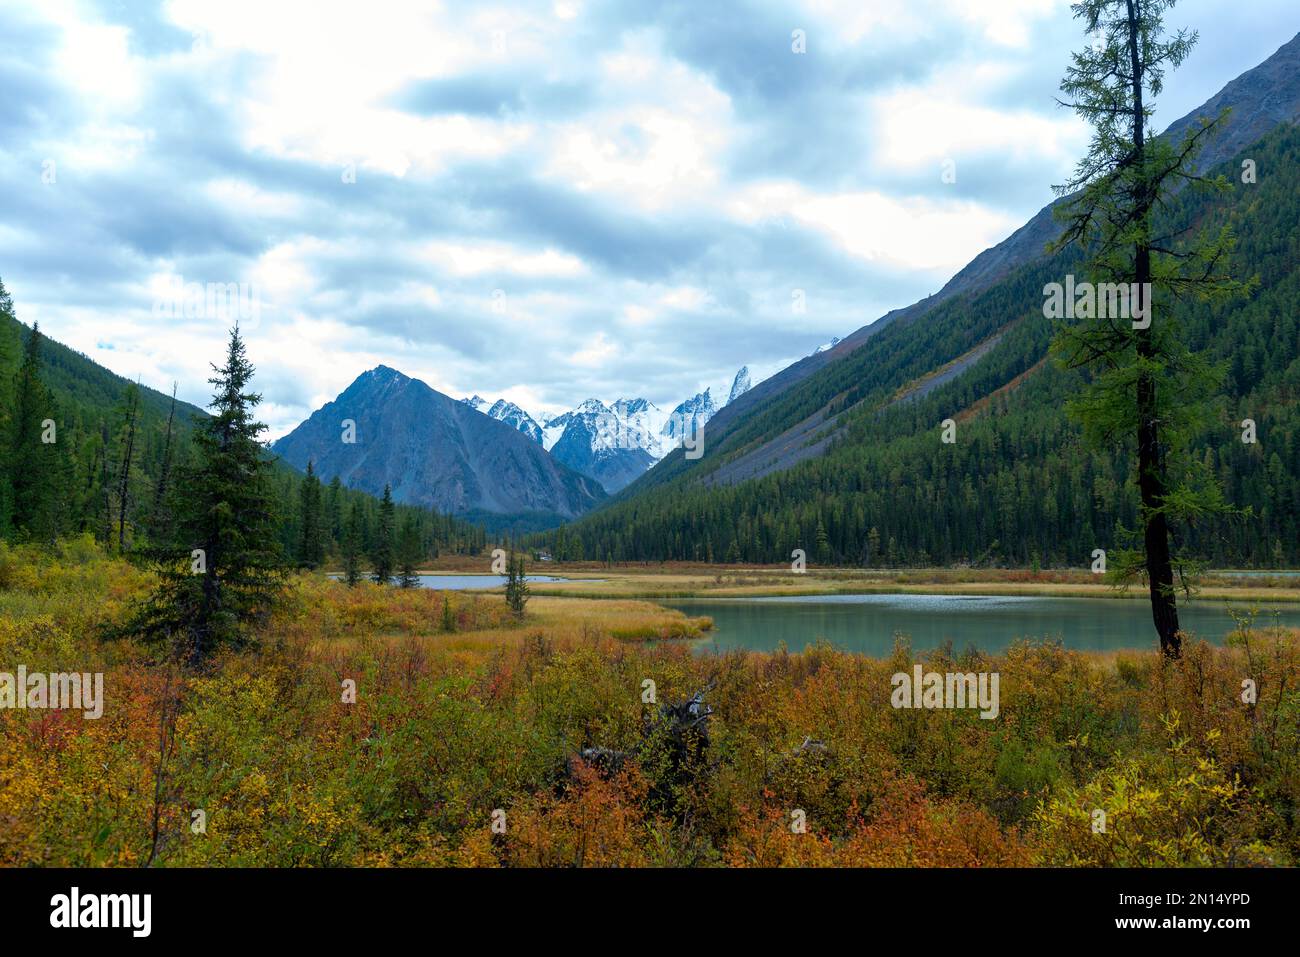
516	584
311	538
410	553
37	470
226	570
334	512
1146	386
383	551
352	546
10	350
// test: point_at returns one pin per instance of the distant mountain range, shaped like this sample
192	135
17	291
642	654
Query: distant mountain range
435	451
491	461
614	443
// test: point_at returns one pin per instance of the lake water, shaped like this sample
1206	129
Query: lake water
867	624
462	582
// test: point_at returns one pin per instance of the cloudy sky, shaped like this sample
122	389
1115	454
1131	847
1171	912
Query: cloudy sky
539	200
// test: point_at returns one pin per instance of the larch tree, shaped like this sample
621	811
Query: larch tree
1144	386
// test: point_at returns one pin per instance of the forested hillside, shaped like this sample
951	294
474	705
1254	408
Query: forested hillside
107	465
1018	486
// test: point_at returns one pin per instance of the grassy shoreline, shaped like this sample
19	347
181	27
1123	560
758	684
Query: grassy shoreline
673	581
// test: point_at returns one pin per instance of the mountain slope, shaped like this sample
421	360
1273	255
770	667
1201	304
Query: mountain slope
81	383
435	451
816	441
792	416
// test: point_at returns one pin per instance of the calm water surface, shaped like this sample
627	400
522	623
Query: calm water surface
867	624
462	582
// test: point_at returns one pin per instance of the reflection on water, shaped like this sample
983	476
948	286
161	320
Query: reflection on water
868	623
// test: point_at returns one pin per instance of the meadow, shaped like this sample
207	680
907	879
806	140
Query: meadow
463	744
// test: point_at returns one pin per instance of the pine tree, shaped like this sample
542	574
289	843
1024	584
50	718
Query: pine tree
352	546
410	553
36	474
311	539
383	551
516	584
334	512
823	544
448	620
227	570
1146	384
10	349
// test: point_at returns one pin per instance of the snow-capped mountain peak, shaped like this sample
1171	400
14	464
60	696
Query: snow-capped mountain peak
516	418
689	417
739	385
592	406
616	442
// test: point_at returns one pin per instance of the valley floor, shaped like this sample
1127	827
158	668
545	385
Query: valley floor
465	716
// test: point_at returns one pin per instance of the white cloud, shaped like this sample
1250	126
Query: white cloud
684	147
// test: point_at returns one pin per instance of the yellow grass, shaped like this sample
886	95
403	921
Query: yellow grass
728	581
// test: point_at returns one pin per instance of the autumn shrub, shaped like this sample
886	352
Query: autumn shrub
1176	809
264	759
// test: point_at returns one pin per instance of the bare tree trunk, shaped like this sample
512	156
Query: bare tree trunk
170	707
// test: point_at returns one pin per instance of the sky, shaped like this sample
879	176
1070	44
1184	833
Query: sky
541	201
